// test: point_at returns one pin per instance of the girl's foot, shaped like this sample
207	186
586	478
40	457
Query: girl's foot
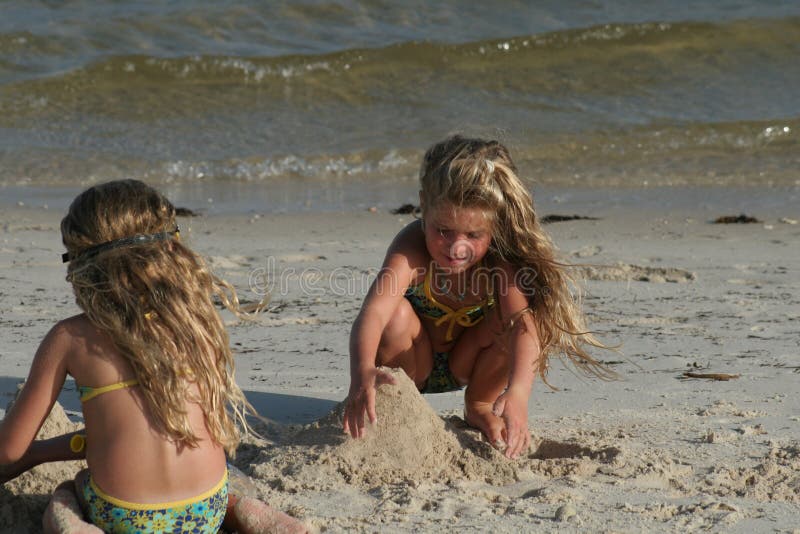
63	514
253	516
480	416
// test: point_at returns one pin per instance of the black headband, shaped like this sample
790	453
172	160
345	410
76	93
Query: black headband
122	242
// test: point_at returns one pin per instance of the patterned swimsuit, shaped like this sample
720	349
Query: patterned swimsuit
422	300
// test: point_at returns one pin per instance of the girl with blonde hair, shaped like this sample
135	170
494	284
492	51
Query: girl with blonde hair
151	359
470	295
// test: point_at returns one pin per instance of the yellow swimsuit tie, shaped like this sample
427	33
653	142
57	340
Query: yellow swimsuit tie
460	316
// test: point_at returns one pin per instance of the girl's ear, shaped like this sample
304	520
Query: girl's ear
421	202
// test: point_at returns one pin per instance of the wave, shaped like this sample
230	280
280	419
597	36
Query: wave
777	38
672	100
739	153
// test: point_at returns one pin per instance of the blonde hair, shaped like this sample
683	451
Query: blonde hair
154	299
476	173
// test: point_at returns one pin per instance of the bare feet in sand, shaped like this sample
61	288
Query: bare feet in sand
480	416
63	514
251	516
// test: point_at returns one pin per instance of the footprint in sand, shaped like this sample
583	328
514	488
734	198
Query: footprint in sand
299	258
230	263
623	272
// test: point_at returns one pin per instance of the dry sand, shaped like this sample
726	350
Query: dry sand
655	451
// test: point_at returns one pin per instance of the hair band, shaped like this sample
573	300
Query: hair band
141	239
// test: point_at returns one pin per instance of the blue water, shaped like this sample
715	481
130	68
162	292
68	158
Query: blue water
333	103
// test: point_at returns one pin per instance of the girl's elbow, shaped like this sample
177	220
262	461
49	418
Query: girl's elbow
11	450
9	455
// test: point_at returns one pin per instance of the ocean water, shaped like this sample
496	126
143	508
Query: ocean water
327	104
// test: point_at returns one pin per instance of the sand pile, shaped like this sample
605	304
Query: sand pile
775	478
409	443
23	500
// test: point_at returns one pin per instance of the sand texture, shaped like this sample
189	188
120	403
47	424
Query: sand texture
23	500
656	451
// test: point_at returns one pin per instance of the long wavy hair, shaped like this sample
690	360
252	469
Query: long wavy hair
154	299
477	173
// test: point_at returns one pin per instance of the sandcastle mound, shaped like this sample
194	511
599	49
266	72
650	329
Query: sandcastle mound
409	439
410	443
23	500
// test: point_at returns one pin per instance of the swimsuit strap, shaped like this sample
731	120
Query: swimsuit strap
460	316
88	393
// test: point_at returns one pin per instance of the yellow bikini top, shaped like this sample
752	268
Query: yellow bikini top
88	393
422	300
77	443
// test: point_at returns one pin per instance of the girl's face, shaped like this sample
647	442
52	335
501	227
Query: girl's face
457	237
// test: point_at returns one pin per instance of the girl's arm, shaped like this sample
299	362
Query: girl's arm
381	301
25	417
58	449
523	340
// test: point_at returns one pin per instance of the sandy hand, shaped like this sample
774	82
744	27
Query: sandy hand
362	399
514	412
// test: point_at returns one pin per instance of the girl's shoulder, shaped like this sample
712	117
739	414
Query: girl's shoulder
410	242
78	329
68	330
411	232
70	324
86	346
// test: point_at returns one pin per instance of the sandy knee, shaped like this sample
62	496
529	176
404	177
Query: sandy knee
63	513
256	516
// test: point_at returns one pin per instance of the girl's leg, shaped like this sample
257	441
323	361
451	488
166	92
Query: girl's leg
405	344
249	515
488	381
480	361
470	344
63	513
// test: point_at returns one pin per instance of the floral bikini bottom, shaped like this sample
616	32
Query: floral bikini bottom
197	515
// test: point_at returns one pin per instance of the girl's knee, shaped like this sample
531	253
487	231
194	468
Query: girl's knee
404	324
402	334
64	514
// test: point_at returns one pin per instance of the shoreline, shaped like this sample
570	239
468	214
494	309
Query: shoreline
336	197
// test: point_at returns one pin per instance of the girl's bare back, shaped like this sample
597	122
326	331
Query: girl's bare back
128	457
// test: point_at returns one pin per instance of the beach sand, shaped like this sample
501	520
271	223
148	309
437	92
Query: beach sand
653	451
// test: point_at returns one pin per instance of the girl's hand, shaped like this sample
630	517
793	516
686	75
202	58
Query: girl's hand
513	408
362	397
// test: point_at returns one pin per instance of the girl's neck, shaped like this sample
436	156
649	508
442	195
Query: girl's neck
457	286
